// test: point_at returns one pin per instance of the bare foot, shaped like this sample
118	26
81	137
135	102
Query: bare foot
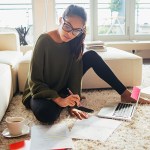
126	97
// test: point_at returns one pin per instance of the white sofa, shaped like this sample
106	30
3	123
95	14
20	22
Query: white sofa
10	54
6	90
126	66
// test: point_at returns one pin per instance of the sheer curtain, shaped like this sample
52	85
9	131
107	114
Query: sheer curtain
43	16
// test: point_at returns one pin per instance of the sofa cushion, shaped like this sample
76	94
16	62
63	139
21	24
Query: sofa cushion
117	54
6	92
11	58
9	41
23	68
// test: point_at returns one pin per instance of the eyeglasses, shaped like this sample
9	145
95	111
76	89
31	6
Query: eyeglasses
68	28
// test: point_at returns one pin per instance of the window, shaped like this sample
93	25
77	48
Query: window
111	24
142	19
113	20
17	14
111	17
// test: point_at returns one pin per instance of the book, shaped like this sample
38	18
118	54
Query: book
94	43
25	145
96	46
145	92
21	145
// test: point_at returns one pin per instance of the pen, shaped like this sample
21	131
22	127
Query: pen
70	92
80	107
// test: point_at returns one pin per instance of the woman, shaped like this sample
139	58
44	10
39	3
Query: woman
58	63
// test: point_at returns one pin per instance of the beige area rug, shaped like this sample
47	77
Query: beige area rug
134	135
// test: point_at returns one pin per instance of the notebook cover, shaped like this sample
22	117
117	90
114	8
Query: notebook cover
24	145
135	93
21	145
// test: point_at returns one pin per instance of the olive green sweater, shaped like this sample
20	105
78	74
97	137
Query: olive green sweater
53	69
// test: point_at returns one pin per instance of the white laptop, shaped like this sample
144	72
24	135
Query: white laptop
121	111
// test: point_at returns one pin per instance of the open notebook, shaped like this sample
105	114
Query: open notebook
121	111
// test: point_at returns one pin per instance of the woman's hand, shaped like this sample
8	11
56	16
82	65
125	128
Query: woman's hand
71	100
78	113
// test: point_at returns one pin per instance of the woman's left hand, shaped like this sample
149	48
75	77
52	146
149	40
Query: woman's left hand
78	113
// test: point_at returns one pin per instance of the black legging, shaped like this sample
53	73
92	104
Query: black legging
92	60
48	111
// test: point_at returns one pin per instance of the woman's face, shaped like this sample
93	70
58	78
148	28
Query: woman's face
70	27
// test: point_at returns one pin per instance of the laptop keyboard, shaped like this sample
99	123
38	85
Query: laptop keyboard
123	110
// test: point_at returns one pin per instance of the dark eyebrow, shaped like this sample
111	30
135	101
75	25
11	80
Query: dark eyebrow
71	25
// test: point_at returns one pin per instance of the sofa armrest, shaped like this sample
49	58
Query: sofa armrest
9	41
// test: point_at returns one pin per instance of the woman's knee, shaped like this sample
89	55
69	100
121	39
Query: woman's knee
45	110
91	55
45	116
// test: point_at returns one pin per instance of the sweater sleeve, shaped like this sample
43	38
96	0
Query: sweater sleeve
37	86
75	76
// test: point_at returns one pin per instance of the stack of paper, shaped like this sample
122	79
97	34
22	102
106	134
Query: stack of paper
145	92
44	137
50	137
94	128
94	43
97	45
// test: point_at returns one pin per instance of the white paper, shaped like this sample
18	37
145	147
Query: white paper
94	128
145	92
44	137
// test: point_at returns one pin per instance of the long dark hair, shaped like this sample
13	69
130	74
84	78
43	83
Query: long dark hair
76	45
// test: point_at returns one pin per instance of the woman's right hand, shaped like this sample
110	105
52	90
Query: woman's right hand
70	100
78	113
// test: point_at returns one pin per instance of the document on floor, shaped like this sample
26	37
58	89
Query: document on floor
94	128
50	137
